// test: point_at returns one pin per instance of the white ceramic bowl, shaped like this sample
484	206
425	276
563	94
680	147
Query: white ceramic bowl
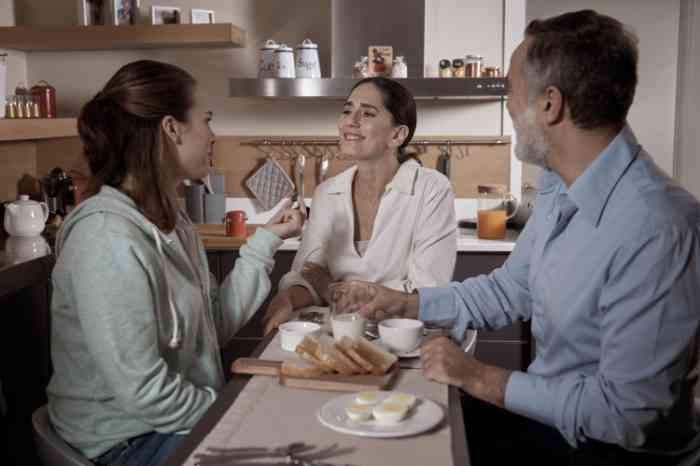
401	335
291	333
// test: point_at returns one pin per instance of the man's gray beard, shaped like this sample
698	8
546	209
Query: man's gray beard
531	145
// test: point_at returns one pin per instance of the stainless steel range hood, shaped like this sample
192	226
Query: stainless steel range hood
357	24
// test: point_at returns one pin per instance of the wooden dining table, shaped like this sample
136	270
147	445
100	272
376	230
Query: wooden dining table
256	411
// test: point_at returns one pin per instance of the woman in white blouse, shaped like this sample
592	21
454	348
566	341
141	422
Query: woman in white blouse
386	220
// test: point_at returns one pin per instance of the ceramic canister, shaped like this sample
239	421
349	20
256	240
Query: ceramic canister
307	64
266	65
284	61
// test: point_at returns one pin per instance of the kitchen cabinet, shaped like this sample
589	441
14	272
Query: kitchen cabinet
508	347
25	360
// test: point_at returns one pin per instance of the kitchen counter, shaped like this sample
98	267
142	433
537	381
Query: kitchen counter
466	242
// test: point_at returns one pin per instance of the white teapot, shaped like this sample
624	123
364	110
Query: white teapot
25	217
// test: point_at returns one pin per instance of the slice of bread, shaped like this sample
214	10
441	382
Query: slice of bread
327	352
301	369
307	351
347	344
380	359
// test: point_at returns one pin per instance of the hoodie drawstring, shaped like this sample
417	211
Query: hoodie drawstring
176	337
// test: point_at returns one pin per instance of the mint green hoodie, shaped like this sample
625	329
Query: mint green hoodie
137	322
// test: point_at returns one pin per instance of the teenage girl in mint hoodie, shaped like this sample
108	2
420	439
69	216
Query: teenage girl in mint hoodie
137	320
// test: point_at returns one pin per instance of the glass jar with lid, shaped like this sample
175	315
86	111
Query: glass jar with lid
473	66
492	211
445	68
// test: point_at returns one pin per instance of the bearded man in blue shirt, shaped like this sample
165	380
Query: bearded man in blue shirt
606	271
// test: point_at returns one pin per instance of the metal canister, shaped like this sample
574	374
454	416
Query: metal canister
45	95
490	72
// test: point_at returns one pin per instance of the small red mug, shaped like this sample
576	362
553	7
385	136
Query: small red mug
235	224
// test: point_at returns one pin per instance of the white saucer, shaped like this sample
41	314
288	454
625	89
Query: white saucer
403	355
425	415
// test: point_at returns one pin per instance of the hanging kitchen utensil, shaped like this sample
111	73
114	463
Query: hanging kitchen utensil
323	167
443	161
270	184
299	168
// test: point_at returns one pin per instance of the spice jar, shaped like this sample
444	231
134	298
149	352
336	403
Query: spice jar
445	68
473	66
45	95
458	68
399	68
492	211
490	72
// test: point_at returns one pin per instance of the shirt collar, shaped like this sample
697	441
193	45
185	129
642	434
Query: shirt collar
591	190
404	180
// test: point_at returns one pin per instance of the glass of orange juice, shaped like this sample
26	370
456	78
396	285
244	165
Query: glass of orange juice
492	211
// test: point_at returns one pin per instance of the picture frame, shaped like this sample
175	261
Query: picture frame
93	12
199	16
125	12
166	15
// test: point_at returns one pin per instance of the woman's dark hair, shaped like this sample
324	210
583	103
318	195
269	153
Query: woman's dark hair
591	58
120	129
400	103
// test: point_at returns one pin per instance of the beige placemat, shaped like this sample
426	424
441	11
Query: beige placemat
267	414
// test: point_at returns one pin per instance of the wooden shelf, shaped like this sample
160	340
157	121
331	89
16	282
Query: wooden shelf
145	36
44	128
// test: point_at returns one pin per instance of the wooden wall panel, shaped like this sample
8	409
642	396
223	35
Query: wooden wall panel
17	162
471	165
478	164
65	153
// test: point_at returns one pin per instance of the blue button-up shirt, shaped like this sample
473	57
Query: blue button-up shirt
608	274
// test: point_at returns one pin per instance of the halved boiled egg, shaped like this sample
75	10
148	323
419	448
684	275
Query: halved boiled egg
367	398
405	399
389	413
358	412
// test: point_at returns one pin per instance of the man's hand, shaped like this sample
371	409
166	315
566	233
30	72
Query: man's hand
319	277
279	311
287	222
373	301
445	362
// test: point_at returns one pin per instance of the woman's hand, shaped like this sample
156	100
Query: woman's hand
279	311
319	277
287	222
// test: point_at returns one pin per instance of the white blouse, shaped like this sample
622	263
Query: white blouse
414	238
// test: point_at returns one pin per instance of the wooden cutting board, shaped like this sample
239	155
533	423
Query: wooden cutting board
329	382
214	236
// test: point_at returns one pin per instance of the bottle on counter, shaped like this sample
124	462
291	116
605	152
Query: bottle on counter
445	68
361	68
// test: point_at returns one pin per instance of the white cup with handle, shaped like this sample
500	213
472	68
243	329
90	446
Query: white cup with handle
401	335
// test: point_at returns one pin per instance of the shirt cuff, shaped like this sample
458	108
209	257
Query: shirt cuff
438	308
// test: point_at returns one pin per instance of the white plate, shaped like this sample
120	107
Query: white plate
425	415
408	354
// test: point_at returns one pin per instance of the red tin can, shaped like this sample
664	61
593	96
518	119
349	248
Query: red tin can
235	224
45	95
